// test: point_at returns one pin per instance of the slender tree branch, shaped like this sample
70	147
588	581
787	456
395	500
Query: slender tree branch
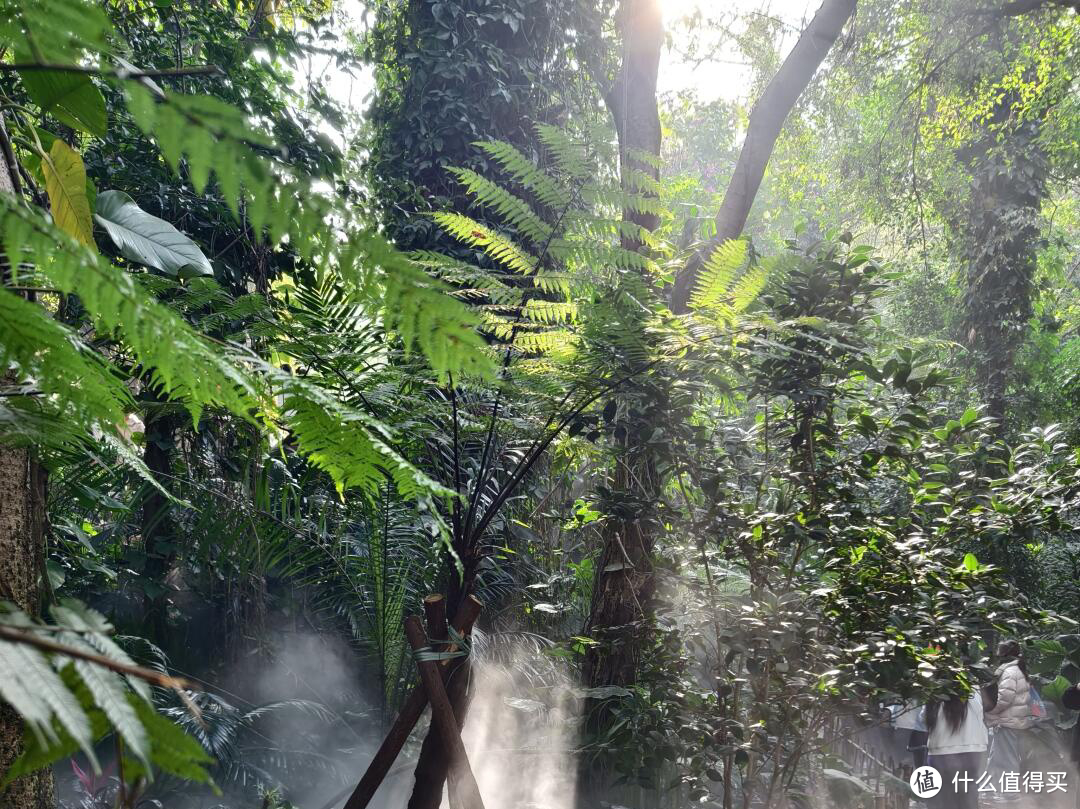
9	159
1021	7
13	635
119	73
766	122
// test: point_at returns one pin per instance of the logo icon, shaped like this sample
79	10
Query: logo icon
925	782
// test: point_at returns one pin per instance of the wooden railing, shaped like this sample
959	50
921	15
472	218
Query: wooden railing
886	777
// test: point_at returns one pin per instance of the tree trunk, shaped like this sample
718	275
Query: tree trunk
621	611
1000	241
623	588
632	101
766	120
22	572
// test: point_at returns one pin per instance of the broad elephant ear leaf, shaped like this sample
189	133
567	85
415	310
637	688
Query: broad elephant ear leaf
145	239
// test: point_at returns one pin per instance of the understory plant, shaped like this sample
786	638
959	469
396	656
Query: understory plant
830	551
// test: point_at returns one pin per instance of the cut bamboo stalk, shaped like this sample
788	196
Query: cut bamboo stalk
442	716
407	718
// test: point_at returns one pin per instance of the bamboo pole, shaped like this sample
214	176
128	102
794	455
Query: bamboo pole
443	718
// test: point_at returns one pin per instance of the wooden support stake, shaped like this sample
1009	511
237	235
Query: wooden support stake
442	716
435	612
433	767
406	720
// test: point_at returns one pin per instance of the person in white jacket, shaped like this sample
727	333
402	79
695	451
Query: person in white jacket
908	718
1011	715
957	746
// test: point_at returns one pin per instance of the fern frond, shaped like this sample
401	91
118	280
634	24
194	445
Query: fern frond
500	249
30	685
111	696
525	173
571	156
599	254
180	361
748	287
415	304
588	226
50	357
613	198
640	182
97	632
468	281
544	342
348	444
552	283
715	281
550	312
646	158
511	209
69	701
318	227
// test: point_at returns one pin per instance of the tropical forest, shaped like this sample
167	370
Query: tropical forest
539	404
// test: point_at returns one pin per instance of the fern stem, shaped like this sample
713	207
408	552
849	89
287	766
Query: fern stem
455	514
480	482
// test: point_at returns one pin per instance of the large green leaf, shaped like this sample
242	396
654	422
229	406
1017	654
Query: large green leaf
71	98
65	183
143	238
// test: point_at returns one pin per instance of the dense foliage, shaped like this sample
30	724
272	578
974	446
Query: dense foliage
274	369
